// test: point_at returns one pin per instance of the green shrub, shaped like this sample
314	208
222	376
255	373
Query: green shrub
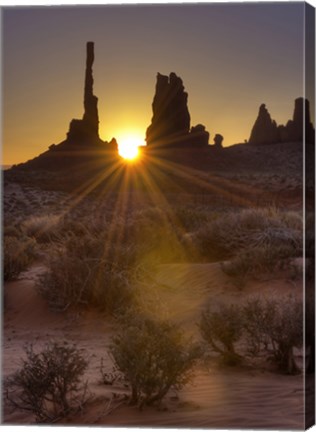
153	357
18	254
222	328
49	382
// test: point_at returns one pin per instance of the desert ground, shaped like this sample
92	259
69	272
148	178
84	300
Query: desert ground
176	279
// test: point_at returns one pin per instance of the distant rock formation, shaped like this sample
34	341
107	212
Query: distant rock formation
83	145
294	130
86	130
170	124
170	111
266	131
218	139
199	136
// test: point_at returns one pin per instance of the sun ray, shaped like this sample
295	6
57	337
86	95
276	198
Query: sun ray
225	188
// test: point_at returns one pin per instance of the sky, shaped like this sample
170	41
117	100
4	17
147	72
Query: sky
231	58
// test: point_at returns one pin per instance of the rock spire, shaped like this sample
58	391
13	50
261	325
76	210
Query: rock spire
265	129
170	124
86	130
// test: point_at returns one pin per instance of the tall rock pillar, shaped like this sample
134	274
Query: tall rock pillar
90	101
86	131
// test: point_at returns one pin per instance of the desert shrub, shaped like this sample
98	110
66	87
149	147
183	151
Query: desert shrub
275	326
256	261
153	357
18	253
49	382
257	318
222	328
192	218
87	272
263	328
246	229
44	228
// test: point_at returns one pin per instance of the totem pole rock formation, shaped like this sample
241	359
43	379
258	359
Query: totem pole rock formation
82	145
86	130
170	124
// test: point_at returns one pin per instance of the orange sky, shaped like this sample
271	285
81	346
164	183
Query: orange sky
231	57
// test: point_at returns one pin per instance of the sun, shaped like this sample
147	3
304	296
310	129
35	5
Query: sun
128	146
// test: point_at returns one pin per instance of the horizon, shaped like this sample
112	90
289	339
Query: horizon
224	90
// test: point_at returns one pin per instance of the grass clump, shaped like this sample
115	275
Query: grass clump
248	229
153	357
87	272
49	382
44	228
18	254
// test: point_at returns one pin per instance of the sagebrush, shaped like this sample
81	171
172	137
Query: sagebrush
49	383
153	357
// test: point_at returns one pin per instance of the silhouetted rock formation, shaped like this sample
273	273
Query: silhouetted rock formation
199	135
170	124
265	129
294	130
170	112
83	146
86	130
218	139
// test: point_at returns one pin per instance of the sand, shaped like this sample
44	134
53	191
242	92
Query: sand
217	397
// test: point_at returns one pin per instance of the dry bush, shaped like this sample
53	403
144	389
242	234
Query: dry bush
44	228
18	254
153	357
49	382
194	218
260	260
269	328
274	326
247	229
86	272
222	328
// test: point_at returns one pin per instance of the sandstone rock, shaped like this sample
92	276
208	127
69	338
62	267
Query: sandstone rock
199	136
170	124
218	139
294	130
86	130
171	118
265	129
